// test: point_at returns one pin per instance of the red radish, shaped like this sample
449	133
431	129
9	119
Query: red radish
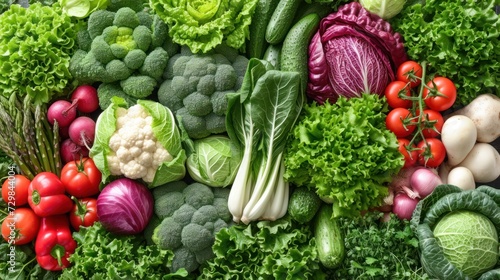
62	112
85	99
82	131
71	151
404	206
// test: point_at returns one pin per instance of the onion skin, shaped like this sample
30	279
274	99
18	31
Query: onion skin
423	181
404	206
125	207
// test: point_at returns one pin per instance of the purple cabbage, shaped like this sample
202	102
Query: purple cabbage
352	52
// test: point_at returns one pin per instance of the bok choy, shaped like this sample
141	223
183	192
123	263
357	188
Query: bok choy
259	117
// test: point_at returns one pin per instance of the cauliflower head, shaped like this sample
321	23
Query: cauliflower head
139	142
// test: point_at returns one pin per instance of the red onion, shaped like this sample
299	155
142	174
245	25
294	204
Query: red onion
423	182
404	206
125	206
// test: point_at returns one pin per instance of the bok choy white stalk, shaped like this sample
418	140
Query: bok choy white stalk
260	116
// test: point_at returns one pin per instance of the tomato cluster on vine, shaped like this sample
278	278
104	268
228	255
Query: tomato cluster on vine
416	113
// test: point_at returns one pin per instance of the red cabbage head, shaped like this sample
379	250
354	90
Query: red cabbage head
353	52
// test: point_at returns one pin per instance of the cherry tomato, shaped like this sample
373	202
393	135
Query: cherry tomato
409	72
392	94
442	95
399	122
84	213
20	226
432	123
81	178
409	152
15	190
431	152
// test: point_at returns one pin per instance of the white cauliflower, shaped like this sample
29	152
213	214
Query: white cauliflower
135	152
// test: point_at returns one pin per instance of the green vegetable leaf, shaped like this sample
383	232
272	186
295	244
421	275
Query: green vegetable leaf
82	9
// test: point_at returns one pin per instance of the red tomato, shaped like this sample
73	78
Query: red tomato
431	152
399	121
81	178
432	123
394	92
410	72
15	190
409	152
84	213
20	226
442	95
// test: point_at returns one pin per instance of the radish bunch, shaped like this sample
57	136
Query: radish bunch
76	128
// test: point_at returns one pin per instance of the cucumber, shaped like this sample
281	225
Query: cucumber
329	238
281	20
272	55
303	204
294	51
261	16
320	9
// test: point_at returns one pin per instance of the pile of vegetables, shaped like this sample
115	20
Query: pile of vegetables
262	139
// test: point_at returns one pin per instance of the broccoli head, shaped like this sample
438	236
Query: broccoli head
196	86
191	215
127	48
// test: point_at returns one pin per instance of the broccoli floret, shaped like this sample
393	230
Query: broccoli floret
196	237
184	214
166	205
154	63
195	88
205	214
198	194
138	86
168	235
142	37
106	91
136	5
134	59
198	104
126	17
84	40
125	47
195	221
118	70
183	258
99	20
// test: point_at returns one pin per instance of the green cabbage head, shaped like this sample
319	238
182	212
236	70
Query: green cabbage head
204	24
214	161
469	241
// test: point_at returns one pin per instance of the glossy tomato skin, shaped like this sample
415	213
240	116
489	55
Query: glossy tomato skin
409	153
437	119
393	97
409	67
81	178
446	88
15	190
84	213
432	153
20	226
398	121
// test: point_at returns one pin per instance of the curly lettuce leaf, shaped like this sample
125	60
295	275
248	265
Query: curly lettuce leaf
102	255
36	45
348	157
204	24
458	39
265	250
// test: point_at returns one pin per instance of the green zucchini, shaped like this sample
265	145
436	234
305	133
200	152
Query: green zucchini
261	16
329	238
281	20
